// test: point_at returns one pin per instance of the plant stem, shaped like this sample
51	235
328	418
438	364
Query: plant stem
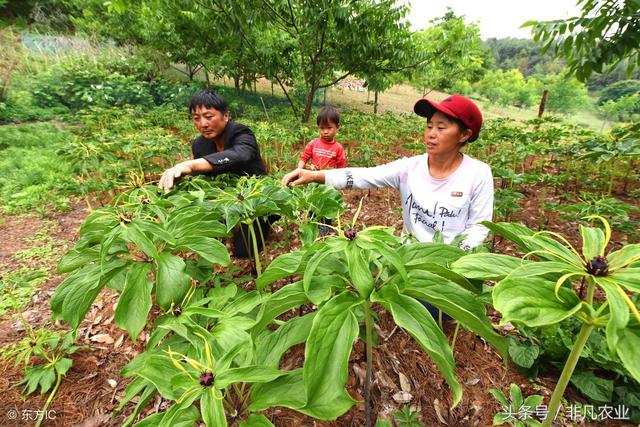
256	253
455	336
367	381
567	371
49	400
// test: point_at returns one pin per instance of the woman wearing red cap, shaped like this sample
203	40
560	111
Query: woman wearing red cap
442	190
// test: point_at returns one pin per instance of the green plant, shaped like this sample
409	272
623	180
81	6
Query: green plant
517	410
345	275
50	346
17	287
543	293
407	417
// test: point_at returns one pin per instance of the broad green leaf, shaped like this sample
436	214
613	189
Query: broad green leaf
513	232
388	255
486	266
553	249
156	230
207	247
332	246
74	296
533	302
322	285
158	370
413	317
499	396
457	302
448	274
144	390
593	387
256	420
183	404
287	391
77	258
212	409
272	345
618	312
281	301
523	354
627	277
47	379
247	374
516	395
283	266
326	368
172	283
623	257
359	272
244	303
593	242
135	301
63	365
629	351
421	252
133	234
544	268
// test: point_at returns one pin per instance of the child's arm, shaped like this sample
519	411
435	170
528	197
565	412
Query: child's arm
306	155
342	158
301	164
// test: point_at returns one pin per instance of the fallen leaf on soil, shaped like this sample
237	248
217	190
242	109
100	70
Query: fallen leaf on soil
438	408
402	397
118	342
102	339
405	385
360	373
112	383
473	381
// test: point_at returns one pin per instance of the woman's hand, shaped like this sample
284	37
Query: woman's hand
302	176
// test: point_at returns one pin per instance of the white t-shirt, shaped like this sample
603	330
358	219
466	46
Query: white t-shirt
453	205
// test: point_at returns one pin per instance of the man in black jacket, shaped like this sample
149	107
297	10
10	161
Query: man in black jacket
223	146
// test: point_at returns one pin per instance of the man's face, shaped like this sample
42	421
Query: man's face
209	121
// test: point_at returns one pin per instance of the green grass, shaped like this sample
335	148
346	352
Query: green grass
34	174
17	288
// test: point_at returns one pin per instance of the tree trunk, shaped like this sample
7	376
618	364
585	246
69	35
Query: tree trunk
206	77
308	104
236	83
375	102
543	103
324	100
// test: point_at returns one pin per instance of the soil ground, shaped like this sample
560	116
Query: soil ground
92	389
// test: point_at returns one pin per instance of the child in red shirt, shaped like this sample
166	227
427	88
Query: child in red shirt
325	152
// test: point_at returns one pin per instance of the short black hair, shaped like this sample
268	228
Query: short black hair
208	99
328	114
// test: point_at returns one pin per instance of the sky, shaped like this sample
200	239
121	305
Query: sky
496	18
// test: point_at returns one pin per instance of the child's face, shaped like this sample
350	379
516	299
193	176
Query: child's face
328	131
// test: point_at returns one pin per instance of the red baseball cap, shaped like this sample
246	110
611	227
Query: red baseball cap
456	106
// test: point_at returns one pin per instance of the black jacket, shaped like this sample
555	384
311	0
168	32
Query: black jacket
241	154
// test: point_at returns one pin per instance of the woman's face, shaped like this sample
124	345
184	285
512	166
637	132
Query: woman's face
443	136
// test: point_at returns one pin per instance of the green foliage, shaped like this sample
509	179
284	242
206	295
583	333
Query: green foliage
542	293
521	54
35	176
509	88
450	52
517	411
618	90
603	35
17	287
407	418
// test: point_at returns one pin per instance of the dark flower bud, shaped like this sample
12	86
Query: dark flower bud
177	310
350	234
598	266
240	197
206	379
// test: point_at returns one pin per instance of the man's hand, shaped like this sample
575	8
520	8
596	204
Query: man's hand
170	175
302	176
